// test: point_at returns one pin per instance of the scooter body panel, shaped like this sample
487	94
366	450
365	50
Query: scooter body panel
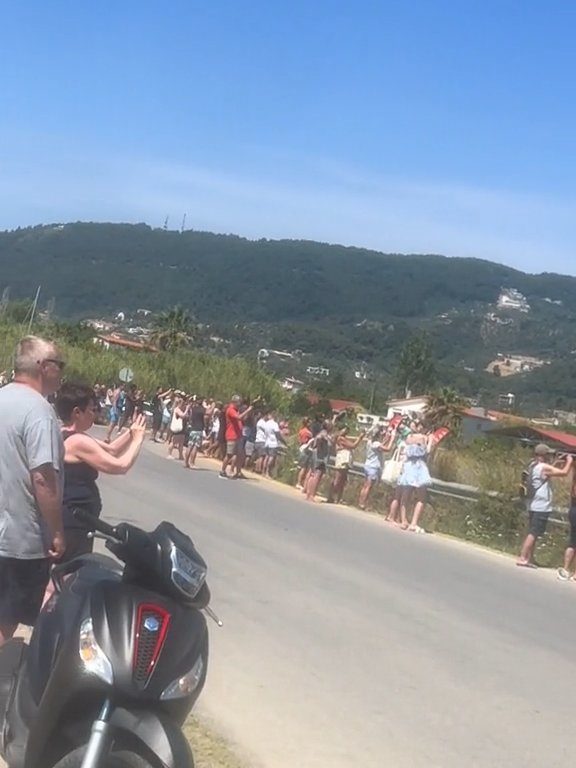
57	697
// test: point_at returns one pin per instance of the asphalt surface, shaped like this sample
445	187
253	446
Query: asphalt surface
350	643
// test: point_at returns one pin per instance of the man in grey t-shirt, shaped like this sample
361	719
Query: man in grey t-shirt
31	477
540	500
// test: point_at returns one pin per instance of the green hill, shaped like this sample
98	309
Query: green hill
336	303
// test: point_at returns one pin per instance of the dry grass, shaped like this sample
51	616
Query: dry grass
210	750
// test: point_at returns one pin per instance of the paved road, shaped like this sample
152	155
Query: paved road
350	643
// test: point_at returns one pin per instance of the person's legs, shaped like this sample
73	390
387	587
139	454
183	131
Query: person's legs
569	558
366	488
570	553
314	482
188	456
394	506
537	528
260	458
340	485
420	494
240	459
405	499
333	487
22	587
249	454
527	551
272	453
230	453
171	444
195	448
156	426
111	425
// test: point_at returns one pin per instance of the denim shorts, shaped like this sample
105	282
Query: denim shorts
372	473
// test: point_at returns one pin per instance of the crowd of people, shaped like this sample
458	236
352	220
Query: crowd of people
50	463
244	434
240	433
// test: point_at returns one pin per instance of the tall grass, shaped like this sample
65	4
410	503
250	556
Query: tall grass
189	370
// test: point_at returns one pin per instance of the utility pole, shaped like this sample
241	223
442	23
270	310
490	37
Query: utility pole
4	301
372	397
33	309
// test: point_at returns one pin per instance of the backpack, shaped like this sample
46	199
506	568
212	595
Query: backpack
527	487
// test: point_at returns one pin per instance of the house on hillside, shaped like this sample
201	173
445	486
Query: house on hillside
477	422
407	406
511	298
336	405
115	341
292	385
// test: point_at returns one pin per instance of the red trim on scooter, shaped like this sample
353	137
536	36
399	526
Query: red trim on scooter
148	643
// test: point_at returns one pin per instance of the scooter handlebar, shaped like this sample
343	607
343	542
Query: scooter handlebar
93	523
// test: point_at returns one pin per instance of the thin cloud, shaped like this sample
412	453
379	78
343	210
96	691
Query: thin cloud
306	199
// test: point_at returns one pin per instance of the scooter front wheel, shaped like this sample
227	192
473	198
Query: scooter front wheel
114	760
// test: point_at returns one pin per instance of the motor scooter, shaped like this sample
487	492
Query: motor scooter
116	660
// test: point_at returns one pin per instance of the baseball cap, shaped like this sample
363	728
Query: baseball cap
543	450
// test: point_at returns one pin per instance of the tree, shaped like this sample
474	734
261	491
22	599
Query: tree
416	370
444	409
173	329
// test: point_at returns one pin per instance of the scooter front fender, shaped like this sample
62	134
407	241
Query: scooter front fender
158	733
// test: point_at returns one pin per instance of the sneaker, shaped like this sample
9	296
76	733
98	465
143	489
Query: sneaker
562	574
223	475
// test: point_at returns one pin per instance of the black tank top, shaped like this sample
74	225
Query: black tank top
80	490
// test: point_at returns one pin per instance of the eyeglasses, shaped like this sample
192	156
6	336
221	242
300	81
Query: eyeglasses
60	363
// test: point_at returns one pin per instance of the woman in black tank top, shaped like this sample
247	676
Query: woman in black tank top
85	457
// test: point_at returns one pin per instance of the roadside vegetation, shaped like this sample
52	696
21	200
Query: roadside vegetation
187	369
496	519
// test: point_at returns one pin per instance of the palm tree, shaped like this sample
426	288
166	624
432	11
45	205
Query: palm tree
173	329
444	409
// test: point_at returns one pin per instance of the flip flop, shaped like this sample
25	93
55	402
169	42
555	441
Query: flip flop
527	565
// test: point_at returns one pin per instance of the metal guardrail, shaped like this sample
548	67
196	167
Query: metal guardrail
460	491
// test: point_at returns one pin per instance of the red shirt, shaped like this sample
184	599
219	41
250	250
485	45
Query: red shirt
233	424
304	435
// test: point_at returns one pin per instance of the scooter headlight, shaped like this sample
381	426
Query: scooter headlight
93	657
185	686
187	575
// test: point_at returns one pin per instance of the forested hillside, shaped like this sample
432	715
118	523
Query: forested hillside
340	305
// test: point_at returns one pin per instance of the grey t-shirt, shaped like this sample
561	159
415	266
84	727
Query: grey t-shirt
542	499
29	438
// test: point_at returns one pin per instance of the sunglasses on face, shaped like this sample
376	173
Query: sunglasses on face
60	363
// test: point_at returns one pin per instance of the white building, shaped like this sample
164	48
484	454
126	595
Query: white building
407	406
510	298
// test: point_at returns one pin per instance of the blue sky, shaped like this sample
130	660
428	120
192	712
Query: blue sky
435	126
